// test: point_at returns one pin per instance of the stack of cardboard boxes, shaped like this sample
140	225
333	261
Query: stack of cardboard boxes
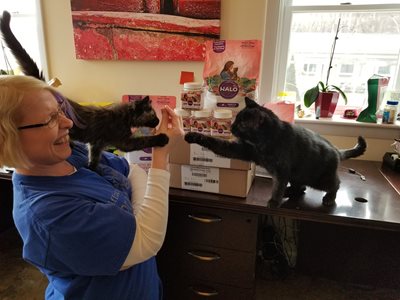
196	168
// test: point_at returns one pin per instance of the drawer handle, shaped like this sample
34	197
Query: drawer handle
204	256
205	219
205	292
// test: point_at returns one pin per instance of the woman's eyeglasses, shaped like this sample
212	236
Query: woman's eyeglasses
51	123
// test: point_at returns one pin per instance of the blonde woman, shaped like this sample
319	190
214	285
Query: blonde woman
93	236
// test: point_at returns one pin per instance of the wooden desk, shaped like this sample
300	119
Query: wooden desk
5	176
364	251
381	211
6	200
381	190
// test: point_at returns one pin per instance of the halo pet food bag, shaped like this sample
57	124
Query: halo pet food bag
231	72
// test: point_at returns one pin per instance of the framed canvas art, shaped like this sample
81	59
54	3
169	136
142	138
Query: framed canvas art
163	30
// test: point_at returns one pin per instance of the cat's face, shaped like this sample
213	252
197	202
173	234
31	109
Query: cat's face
142	114
248	122
245	122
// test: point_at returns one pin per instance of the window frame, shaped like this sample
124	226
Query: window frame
275	60
41	39
37	15
277	36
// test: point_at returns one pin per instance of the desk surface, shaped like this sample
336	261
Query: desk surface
5	176
381	211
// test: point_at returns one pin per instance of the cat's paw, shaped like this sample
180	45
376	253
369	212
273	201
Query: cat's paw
192	137
273	203
328	201
294	192
162	140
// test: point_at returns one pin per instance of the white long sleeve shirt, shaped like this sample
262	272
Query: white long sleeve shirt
150	206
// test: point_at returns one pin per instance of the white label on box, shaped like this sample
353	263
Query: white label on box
205	157
141	157
200	178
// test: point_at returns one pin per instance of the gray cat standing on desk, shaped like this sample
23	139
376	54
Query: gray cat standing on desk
290	153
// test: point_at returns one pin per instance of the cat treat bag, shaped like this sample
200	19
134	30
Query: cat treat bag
231	72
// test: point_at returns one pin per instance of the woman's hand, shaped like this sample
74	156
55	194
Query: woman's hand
171	125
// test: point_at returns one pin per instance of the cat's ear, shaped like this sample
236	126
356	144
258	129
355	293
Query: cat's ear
146	100
250	103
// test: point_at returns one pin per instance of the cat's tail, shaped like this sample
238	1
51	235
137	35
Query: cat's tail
357	150
27	64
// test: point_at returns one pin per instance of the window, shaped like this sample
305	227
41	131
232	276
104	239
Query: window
386	70
26	25
346	69
309	69
300	35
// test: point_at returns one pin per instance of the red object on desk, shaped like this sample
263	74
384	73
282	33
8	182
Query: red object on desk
350	114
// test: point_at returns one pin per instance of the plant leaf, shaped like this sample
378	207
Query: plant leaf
310	96
340	92
322	86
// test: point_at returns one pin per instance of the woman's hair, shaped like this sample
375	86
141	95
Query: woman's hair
12	90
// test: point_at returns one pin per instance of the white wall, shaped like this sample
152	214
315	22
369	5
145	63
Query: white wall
109	80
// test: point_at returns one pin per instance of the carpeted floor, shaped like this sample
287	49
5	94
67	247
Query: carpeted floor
21	281
18	279
301	287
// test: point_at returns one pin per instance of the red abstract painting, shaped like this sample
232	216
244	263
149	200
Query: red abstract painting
166	30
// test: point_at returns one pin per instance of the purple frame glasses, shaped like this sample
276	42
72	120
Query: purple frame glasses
51	123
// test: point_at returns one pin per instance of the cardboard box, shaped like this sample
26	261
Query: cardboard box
223	181
193	154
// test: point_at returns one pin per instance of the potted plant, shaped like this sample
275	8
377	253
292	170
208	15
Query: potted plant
325	95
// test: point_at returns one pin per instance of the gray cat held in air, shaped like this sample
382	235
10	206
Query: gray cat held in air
100	127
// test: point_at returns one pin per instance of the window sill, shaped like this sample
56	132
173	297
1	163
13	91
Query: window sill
339	126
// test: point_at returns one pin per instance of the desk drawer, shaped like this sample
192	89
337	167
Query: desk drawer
6	204
191	289
218	265
213	227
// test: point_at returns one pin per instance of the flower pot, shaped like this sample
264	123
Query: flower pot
325	104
